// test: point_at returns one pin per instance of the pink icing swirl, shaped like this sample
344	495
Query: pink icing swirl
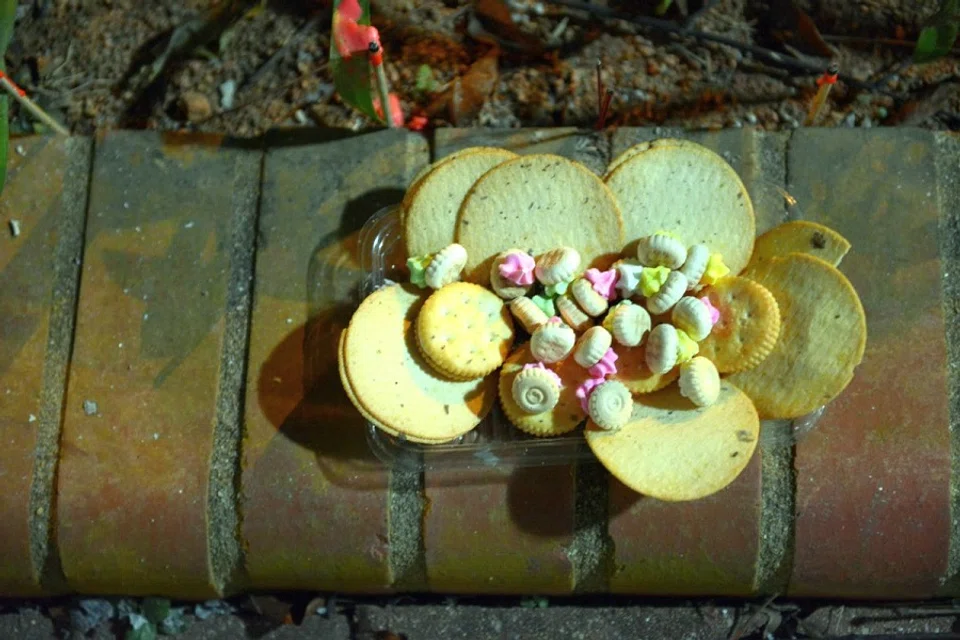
518	268
605	367
584	391
604	282
714	312
539	365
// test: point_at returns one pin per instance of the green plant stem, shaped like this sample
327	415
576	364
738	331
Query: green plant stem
383	88
32	107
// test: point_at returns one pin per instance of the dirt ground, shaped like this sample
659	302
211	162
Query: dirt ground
247	66
307	617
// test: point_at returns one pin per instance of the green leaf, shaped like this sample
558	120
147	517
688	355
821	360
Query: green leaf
426	83
353	77
935	41
142	630
662	7
156	610
8	14
4	141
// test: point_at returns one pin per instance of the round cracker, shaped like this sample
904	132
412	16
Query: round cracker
567	413
432	205
348	389
748	326
800	236
633	372
433	165
393	382
640	147
464	331
672	450
690	191
539	202
823	334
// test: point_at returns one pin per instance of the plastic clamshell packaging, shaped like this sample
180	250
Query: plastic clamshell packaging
494	441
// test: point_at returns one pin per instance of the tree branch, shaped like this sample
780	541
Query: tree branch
766	55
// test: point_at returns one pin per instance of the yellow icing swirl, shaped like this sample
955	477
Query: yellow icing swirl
715	270
687	347
652	279
418	269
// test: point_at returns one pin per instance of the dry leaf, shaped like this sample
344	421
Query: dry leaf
495	18
471	90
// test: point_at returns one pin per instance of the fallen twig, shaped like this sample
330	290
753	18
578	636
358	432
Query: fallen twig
767	55
20	96
266	67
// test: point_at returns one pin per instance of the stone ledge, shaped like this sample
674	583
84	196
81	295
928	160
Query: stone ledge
313	510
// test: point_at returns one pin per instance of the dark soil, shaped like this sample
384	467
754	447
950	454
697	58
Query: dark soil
87	62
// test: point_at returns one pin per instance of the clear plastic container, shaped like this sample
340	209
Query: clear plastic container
495	441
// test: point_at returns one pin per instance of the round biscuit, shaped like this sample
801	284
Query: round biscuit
799	236
348	389
690	191
823	335
748	326
539	202
564	417
432	206
464	331
674	451
392	381
633	372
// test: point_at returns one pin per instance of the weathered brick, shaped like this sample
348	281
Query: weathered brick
873	498
500	531
589	148
134	472
314	498
704	547
45	195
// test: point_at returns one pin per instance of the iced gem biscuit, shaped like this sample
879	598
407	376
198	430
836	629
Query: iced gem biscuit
629	323
692	315
552	341
587	299
511	274
527	313
628	277
695	265
662	348
603	282
536	389
572	314
557	265
567	413
669	294
661	250
592	346
610	405
699	381
446	266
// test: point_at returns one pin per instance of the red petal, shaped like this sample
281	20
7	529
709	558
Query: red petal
350	9
396	111
353	38
418	123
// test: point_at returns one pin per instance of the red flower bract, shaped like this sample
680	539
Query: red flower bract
350	36
396	111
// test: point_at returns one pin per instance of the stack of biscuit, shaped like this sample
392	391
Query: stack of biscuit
640	304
